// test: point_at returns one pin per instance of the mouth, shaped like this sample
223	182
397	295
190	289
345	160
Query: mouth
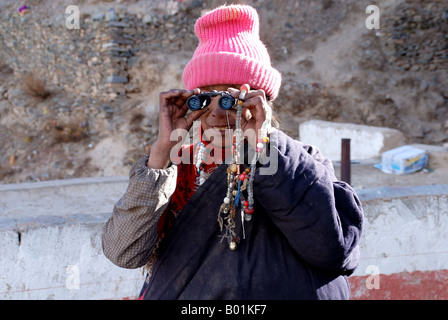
221	133
221	128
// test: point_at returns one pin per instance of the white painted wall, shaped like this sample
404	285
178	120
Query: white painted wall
404	230
61	261
60	225
367	142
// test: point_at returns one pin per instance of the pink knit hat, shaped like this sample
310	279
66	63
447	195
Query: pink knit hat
230	52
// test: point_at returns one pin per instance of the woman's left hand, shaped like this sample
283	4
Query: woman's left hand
255	112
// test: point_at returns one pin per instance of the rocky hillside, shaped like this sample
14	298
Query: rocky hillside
83	102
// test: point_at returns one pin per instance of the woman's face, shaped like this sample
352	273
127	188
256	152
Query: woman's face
217	124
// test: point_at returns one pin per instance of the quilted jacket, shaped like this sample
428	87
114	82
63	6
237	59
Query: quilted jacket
302	242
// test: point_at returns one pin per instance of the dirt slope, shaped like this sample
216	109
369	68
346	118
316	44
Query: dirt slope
333	68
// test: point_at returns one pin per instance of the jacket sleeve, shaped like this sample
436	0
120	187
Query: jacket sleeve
320	216
130	235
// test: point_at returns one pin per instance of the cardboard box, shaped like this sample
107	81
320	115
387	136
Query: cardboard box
404	160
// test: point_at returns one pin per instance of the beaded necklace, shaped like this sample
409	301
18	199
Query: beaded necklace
199	162
238	181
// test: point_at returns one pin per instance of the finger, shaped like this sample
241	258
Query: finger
169	94
245	88
249	94
188	93
254	93
181	92
234	92
177	93
176	97
193	116
254	102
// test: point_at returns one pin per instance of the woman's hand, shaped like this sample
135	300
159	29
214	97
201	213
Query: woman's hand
172	116
255	112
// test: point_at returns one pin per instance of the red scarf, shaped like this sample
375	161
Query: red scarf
186	183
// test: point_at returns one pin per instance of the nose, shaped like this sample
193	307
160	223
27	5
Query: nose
215	109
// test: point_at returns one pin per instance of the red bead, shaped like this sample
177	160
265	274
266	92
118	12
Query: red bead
246	203
249	210
242	177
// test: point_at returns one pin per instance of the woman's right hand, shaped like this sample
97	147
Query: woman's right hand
172	116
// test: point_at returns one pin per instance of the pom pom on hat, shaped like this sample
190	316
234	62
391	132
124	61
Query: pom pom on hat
230	52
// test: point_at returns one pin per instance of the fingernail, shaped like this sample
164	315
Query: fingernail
245	87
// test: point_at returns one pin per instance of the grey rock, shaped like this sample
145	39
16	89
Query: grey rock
111	15
116	79
117	24
98	16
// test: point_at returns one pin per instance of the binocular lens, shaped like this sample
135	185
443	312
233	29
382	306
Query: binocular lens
198	102
226	102
194	103
202	100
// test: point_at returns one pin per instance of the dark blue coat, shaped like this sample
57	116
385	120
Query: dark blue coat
302	242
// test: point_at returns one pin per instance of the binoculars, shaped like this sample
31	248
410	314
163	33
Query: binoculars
202	100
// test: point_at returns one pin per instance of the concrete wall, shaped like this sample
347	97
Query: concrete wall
327	135
51	242
405	244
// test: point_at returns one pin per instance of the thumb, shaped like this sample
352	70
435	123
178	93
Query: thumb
193	116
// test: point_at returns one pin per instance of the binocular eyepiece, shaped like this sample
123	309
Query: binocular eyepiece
202	100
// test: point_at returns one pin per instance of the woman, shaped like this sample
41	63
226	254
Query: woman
254	214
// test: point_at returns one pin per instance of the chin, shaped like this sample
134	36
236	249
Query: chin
218	138
220	143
